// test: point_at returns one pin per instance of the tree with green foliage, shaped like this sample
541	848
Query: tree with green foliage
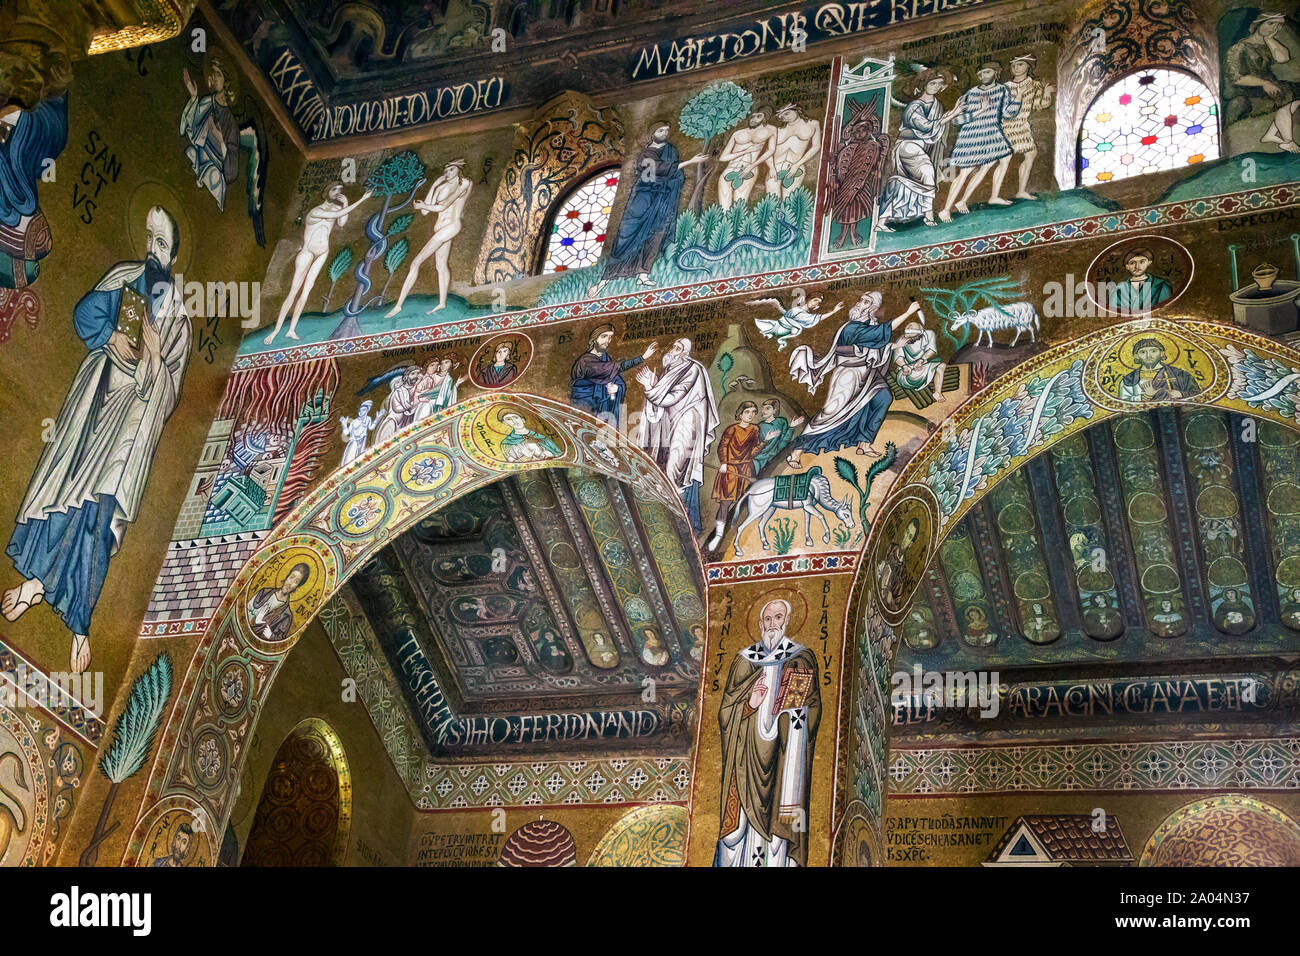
393	261
397	177
708	114
133	737
338	265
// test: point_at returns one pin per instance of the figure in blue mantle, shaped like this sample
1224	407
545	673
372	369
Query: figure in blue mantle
89	482
650	219
857	396
29	139
597	384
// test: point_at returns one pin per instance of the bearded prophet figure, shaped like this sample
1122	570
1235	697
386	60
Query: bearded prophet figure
858	395
678	422
89	482
768	719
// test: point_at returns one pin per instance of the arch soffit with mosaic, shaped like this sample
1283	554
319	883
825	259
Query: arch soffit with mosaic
1043	401
351	515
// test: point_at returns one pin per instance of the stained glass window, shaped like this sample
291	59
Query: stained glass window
578	228
1148	122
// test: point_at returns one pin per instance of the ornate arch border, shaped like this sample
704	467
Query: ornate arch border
351	515
1018	417
1239	800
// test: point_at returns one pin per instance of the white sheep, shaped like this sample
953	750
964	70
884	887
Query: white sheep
1020	316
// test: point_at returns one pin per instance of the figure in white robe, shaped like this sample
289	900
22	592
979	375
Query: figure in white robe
769	715
356	432
439	389
399	408
678	422
89	482
800	316
857	396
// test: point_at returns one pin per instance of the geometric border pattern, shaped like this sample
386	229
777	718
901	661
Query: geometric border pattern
1162	766
554	783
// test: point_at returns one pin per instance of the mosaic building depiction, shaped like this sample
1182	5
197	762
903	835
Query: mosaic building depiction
875	444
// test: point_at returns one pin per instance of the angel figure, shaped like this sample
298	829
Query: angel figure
801	315
217	139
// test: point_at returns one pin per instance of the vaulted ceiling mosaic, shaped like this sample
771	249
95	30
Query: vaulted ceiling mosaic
549	593
1181	531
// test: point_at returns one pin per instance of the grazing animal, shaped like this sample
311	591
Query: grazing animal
763	502
1020	316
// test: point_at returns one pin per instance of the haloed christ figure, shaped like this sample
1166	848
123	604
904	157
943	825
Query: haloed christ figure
650	218
771	709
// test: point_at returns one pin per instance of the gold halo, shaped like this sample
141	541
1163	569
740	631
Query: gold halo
494	416
1125	351
143	198
792	596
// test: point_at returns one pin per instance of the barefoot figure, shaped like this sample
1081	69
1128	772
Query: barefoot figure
446	198
318	224
982	143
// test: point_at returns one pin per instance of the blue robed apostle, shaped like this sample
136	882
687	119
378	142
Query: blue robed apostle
90	479
650	219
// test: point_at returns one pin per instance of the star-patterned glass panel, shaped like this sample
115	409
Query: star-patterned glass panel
578	229
1148	122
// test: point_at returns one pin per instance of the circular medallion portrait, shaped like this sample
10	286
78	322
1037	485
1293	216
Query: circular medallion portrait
178	839
1154	366
1138	275
901	552
510	437
284	594
501	360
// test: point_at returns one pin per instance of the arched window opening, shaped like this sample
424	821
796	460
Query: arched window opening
1149	121
576	233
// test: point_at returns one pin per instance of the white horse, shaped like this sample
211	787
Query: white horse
762	501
